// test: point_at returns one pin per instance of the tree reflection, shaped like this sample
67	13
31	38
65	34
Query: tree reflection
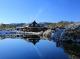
58	43
7	36
72	49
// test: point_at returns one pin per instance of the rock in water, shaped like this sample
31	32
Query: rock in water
47	33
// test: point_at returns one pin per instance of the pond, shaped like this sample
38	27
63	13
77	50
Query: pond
13	47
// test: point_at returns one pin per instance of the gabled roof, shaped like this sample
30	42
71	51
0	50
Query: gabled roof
34	24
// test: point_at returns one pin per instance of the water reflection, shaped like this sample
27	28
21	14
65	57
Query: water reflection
7	36
32	38
37	48
72	49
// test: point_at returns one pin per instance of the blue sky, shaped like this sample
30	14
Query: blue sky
25	11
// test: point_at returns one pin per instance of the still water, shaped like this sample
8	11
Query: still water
36	48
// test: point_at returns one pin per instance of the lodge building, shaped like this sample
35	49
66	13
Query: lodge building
33	27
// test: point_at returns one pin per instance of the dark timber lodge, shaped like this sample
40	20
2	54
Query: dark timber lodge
33	27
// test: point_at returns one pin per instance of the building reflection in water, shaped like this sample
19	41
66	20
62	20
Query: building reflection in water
32	38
